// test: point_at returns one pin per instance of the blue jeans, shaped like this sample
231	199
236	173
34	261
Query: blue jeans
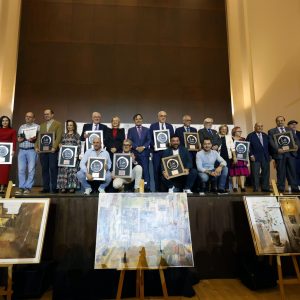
221	178
85	184
26	162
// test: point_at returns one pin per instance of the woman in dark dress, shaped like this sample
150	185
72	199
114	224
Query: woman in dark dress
66	178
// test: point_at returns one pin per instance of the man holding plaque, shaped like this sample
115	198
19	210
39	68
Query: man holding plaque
136	173
293	125
189	176
85	178
208	132
27	156
157	154
284	154
52	131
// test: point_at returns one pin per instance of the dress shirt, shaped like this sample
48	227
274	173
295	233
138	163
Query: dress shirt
49	123
92	153
176	152
206	160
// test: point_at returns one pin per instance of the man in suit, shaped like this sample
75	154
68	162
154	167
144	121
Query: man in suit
49	160
140	137
293	125
95	125
157	155
187	180
259	158
208	132
285	161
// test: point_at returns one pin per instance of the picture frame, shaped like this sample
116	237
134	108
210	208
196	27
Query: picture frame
46	141
192	141
122	165
173	166
6	153
96	167
285	141
242	150
161	139
29	133
67	156
91	135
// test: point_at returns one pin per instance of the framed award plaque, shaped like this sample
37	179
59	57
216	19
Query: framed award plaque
285	141
91	135
46	141
161	139
6	153
96	167
191	141
122	165
241	150
173	166
67	156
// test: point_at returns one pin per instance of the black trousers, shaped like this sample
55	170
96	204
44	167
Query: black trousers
49	169
260	170
286	168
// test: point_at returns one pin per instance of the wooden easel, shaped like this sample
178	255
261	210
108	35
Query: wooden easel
140	284
281	280
8	291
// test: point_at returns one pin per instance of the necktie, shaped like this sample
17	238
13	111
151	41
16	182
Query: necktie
139	131
188	129
163	126
209	131
261	138
96	127
282	129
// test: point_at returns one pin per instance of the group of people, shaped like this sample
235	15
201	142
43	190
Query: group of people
214	168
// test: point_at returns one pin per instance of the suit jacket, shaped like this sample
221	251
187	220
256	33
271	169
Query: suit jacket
216	140
274	148
259	151
155	126
56	128
111	142
298	136
180	132
184	155
89	127
145	140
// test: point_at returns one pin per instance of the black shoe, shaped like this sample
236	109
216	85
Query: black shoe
222	192
44	191
235	190
280	191
266	190
295	191
255	191
243	190
56	191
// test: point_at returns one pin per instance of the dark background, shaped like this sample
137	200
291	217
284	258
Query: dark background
123	57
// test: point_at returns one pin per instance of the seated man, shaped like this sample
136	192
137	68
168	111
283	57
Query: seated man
86	179
206	160
137	171
187	180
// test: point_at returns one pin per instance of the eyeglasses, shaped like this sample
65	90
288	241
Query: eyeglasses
126	145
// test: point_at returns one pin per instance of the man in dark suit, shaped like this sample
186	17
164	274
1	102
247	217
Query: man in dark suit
259	158
95	125
140	137
285	161
208	132
293	125
187	180
156	155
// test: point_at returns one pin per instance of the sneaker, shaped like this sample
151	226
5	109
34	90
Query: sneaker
201	194
171	190
27	191
19	192
222	192
188	191
101	191
137	190
87	191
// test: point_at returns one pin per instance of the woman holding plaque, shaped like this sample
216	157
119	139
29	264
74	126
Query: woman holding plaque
66	178
7	135
238	169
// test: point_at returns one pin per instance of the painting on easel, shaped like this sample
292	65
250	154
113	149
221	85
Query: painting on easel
22	229
143	230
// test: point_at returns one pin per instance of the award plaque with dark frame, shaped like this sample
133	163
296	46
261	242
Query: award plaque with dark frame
285	141
122	165
46	141
161	139
6	153
67	156
242	150
173	166
96	167
192	141
91	135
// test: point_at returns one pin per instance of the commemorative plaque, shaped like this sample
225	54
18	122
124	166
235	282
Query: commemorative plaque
96	167
30	133
122	165
173	166
161	139
6	153
91	135
241	150
191	141
46	141
285	141
67	156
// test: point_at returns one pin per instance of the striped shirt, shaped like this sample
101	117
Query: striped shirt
26	144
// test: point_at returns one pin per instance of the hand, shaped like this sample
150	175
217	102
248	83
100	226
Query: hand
296	148
186	171
52	150
252	158
280	151
80	156
12	153
85	135
140	149
133	157
234	160
89	177
59	145
218	171
37	150
32	140
20	139
165	174
105	167
113	150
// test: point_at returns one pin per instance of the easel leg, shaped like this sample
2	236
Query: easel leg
8	190
296	266
120	285
142	285
137	286
163	283
280	278
9	282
